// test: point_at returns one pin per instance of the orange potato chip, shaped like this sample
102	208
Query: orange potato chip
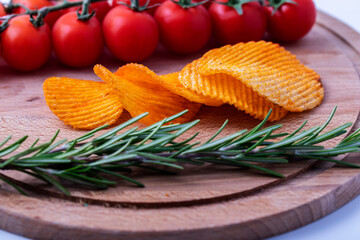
268	69
140	91
172	83
82	104
229	90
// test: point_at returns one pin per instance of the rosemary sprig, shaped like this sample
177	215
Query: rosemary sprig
118	151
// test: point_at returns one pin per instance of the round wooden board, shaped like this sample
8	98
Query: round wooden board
198	203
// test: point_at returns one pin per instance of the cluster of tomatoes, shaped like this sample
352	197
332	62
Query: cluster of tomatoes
131	35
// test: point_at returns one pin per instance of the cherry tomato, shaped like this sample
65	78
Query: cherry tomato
101	8
130	36
2	13
142	3
2	10
25	47
77	43
50	18
183	30
230	27
291	21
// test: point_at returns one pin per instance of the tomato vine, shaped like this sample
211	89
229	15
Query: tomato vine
37	15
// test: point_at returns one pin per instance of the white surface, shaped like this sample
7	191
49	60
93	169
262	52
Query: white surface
345	10
343	223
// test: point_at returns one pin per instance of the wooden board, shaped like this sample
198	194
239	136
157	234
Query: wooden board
213	203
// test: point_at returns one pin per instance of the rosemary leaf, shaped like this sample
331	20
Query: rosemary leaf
215	144
292	140
52	181
5	141
218	132
17	188
164	163
121	126
121	176
329	135
156	157
11	148
113	159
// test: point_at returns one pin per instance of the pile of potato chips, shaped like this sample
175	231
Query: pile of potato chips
254	77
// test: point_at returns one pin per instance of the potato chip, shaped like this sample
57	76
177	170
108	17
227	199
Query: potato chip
172	83
82	104
268	69
140	91
229	90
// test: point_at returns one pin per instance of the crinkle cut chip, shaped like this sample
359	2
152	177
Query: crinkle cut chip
229	90
268	69
171	82
82	104
140	90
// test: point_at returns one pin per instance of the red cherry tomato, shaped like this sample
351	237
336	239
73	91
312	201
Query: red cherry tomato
130	36
101	8
141	3
291	21
77	43
183	30
25	47
50	18
230	27
2	13
2	10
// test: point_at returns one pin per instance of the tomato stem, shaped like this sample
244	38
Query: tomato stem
135	5
84	15
188	3
276	4
237	4
39	20
185	2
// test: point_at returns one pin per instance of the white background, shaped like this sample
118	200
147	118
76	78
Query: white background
345	222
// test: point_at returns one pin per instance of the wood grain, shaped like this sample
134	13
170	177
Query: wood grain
266	210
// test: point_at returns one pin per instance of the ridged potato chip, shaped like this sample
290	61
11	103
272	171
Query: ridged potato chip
171	82
140	91
229	90
82	104
268	69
